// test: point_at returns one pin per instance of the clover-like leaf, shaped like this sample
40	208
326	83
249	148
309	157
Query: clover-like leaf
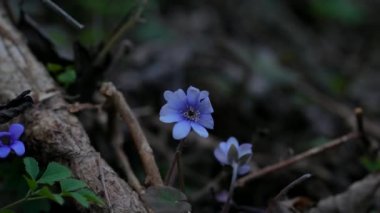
82	200
166	199
71	184
54	172
31	167
371	165
52	67
91	196
32	184
45	192
67	77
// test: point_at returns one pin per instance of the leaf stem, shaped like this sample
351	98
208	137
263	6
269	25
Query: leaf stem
17	201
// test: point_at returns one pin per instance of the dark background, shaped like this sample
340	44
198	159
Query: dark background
264	62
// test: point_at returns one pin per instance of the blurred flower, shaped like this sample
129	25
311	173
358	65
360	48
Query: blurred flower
189	111
235	155
222	196
10	141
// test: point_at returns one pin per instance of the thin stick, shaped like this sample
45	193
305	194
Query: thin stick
285	190
143	148
8	9
63	13
117	140
119	33
297	158
104	184
360	126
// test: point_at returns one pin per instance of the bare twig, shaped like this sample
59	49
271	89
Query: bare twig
104	184
360	126
117	140
120	32
141	143
285	190
77	107
10	14
63	13
297	158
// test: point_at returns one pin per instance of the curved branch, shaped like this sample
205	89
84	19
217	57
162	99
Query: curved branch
141	143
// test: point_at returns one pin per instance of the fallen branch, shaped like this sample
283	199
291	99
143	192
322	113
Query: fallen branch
117	141
297	158
141	143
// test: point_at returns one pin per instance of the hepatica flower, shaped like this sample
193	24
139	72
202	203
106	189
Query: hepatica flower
10	141
190	110
235	155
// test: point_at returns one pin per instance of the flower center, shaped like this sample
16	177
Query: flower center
6	140
191	114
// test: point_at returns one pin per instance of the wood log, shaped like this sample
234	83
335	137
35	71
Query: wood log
51	129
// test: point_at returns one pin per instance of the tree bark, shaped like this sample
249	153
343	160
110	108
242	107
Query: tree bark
51	129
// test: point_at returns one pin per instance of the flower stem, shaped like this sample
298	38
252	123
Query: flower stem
172	173
17	201
227	204
180	173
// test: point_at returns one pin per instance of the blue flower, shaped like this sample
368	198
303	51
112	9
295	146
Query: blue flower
10	141
235	155
189	111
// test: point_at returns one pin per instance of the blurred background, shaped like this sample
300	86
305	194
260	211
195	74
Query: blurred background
282	75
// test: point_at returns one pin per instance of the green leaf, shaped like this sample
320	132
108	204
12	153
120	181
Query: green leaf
52	67
67	77
31	167
82	200
54	172
45	192
32	184
71	184
344	11
370	165
166	199
91	196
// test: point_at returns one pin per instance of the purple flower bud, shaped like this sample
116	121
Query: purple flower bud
233	154
191	110
10	141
